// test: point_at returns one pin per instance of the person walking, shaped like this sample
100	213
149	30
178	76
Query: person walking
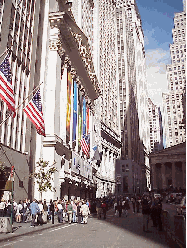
153	212
158	213
19	212
85	212
79	204
45	211
119	208
69	211
60	212
138	205
98	209
104	209
40	213
34	208
146	212
52	210
133	204
2	208
74	205
126	206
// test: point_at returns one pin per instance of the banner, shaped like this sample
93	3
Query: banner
79	117
84	117
87	120
75	111
68	113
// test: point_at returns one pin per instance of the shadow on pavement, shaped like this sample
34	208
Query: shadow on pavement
134	224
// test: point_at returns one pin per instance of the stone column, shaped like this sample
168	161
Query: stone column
173	175
163	172
154	184
183	175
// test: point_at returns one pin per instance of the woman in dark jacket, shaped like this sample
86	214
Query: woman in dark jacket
79	212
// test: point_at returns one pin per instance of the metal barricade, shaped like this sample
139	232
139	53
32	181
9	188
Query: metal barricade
5	225
166	220
180	229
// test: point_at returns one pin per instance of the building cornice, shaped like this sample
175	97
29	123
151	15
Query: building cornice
68	30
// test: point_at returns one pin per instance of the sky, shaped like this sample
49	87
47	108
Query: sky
157	23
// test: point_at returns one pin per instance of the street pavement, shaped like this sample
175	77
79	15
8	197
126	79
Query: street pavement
114	232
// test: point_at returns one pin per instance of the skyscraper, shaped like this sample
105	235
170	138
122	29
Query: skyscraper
134	164
174	100
156	132
21	25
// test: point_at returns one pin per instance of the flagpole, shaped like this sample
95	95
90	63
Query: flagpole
20	104
3	53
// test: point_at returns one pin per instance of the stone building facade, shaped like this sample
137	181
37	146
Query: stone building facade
134	125
156	130
21	23
174	106
168	168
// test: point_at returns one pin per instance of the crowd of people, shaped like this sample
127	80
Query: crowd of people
39	212
77	211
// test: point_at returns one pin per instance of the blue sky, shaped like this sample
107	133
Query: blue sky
157	22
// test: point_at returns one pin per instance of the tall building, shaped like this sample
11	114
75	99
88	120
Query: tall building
156	132
173	102
134	163
72	87
21	25
96	20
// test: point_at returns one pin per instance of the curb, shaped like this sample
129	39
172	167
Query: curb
30	232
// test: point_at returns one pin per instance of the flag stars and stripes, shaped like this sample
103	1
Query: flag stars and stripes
34	113
85	144
6	88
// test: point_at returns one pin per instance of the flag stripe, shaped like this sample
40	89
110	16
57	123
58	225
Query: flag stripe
6	88
34	121
32	113
85	144
6	85
10	104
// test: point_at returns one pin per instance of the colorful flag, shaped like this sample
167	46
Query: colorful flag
85	144
75	111
6	88
79	116
68	113
34	113
87	120
84	117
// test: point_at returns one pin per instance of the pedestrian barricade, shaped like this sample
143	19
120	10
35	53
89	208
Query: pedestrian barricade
165	220
44	217
180	229
5	225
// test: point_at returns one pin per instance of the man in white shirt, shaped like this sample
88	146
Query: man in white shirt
60	212
2	208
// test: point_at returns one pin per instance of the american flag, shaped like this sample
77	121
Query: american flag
34	112
6	88
85	144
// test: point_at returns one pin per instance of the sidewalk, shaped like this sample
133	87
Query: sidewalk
20	229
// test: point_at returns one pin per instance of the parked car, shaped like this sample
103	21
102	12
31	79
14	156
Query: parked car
174	198
181	208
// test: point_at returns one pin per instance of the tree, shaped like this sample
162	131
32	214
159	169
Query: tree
4	175
43	175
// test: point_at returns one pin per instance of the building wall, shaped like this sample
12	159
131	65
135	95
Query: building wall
156	136
173	102
132	88
21	24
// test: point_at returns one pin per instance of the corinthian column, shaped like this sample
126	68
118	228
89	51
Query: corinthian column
173	175
163	171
